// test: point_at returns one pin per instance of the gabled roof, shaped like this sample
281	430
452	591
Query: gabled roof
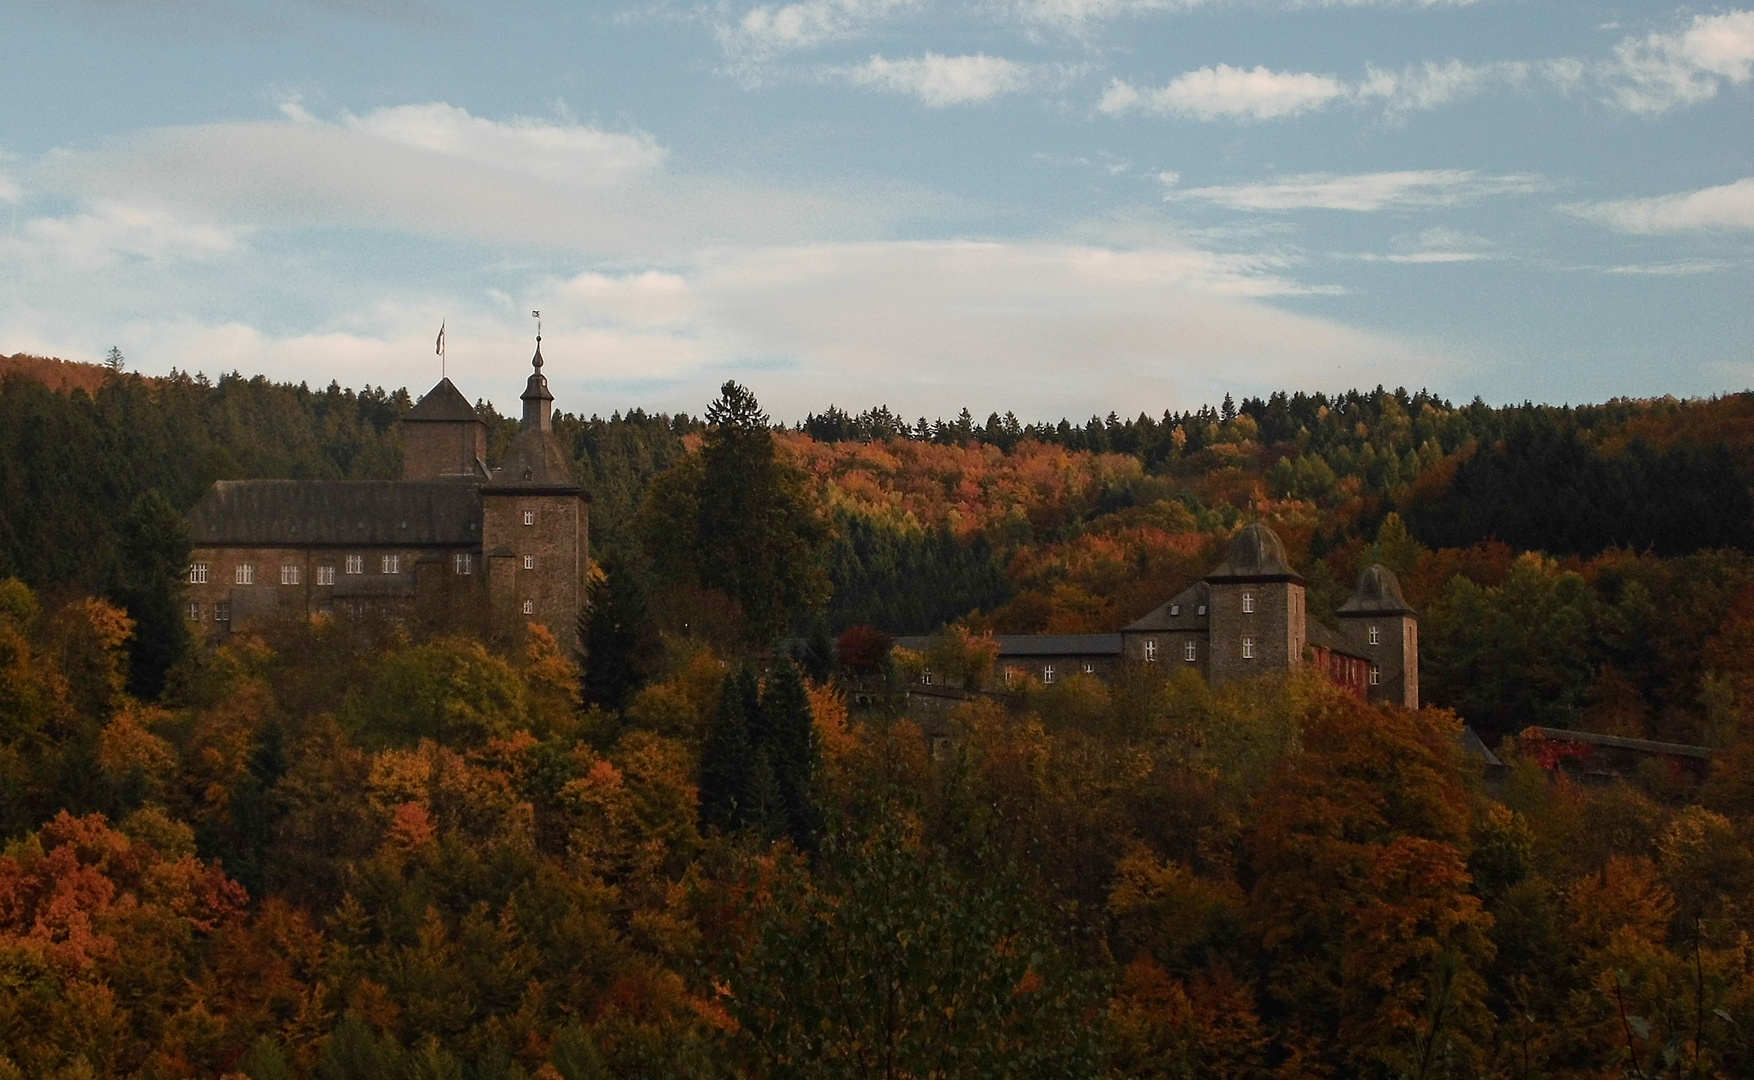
370	513
1378	593
1257	554
1186	610
1321	636
444	403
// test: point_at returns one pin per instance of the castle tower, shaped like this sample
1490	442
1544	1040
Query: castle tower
1378	623
535	532
1257	622
442	438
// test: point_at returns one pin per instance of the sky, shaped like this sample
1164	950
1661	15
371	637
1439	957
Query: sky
1050	207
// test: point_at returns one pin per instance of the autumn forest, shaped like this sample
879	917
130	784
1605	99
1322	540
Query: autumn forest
717	841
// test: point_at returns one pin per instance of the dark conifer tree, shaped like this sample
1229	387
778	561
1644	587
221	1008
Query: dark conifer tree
791	747
154	566
622	649
727	764
817	653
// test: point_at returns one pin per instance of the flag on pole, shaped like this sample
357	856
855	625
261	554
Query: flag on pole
439	346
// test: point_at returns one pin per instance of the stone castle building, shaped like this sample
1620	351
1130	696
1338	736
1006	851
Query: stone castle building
453	543
1247	617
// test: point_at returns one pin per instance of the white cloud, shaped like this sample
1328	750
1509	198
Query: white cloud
1079	16
942	80
1224	92
769	30
1730	206
560	153
1423	87
435	170
110	232
1363	191
1658	72
10	192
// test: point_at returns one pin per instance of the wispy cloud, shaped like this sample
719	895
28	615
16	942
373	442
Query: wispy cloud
1659	72
552	151
1363	191
1727	207
1081	16
111	232
1224	92
944	80
770	30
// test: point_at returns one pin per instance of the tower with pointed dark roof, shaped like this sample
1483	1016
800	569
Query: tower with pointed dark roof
442	438
1378	622
1258	622
535	523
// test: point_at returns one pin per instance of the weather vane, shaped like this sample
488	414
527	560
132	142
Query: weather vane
537	315
439	348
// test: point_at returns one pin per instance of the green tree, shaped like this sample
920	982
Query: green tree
737	520
892	960
622	647
790	746
153	575
727	764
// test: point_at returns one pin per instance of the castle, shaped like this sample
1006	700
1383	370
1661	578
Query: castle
1247	617
453	543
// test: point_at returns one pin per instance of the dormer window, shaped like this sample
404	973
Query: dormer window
1175	611
1375	636
1201	610
1248	602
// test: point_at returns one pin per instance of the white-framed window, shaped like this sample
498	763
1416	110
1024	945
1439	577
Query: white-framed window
1375	675
1248	648
464	562
222	611
1151	650
529	562
198	573
1175	610
1201	610
356	564
1010	676
392	564
529	517
326	574
194	611
1248	602
288	574
926	676
1047	674
1190	653
1375	636
245	574
1089	668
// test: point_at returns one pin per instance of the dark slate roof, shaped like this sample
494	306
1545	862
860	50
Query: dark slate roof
364	513
1643	746
1036	644
1186	606
1257	554
1319	634
536	460
1474	748
1378	593
444	403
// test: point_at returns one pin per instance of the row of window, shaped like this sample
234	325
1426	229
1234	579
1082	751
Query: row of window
1190	651
222	612
463	562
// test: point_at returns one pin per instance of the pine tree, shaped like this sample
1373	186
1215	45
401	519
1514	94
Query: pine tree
727	764
622	648
152	576
790	744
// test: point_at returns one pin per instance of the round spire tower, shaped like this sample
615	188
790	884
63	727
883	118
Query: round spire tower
538	402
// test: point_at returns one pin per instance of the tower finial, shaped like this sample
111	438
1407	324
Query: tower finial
536	361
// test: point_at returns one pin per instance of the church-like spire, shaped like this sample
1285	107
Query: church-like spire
538	402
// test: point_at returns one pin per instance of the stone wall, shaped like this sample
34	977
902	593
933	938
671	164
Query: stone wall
1276	626
426	584
548	560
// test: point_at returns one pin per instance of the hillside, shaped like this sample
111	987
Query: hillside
56	374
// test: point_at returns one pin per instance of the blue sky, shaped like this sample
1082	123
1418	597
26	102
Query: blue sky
1056	207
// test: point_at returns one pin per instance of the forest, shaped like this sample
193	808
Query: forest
350	848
